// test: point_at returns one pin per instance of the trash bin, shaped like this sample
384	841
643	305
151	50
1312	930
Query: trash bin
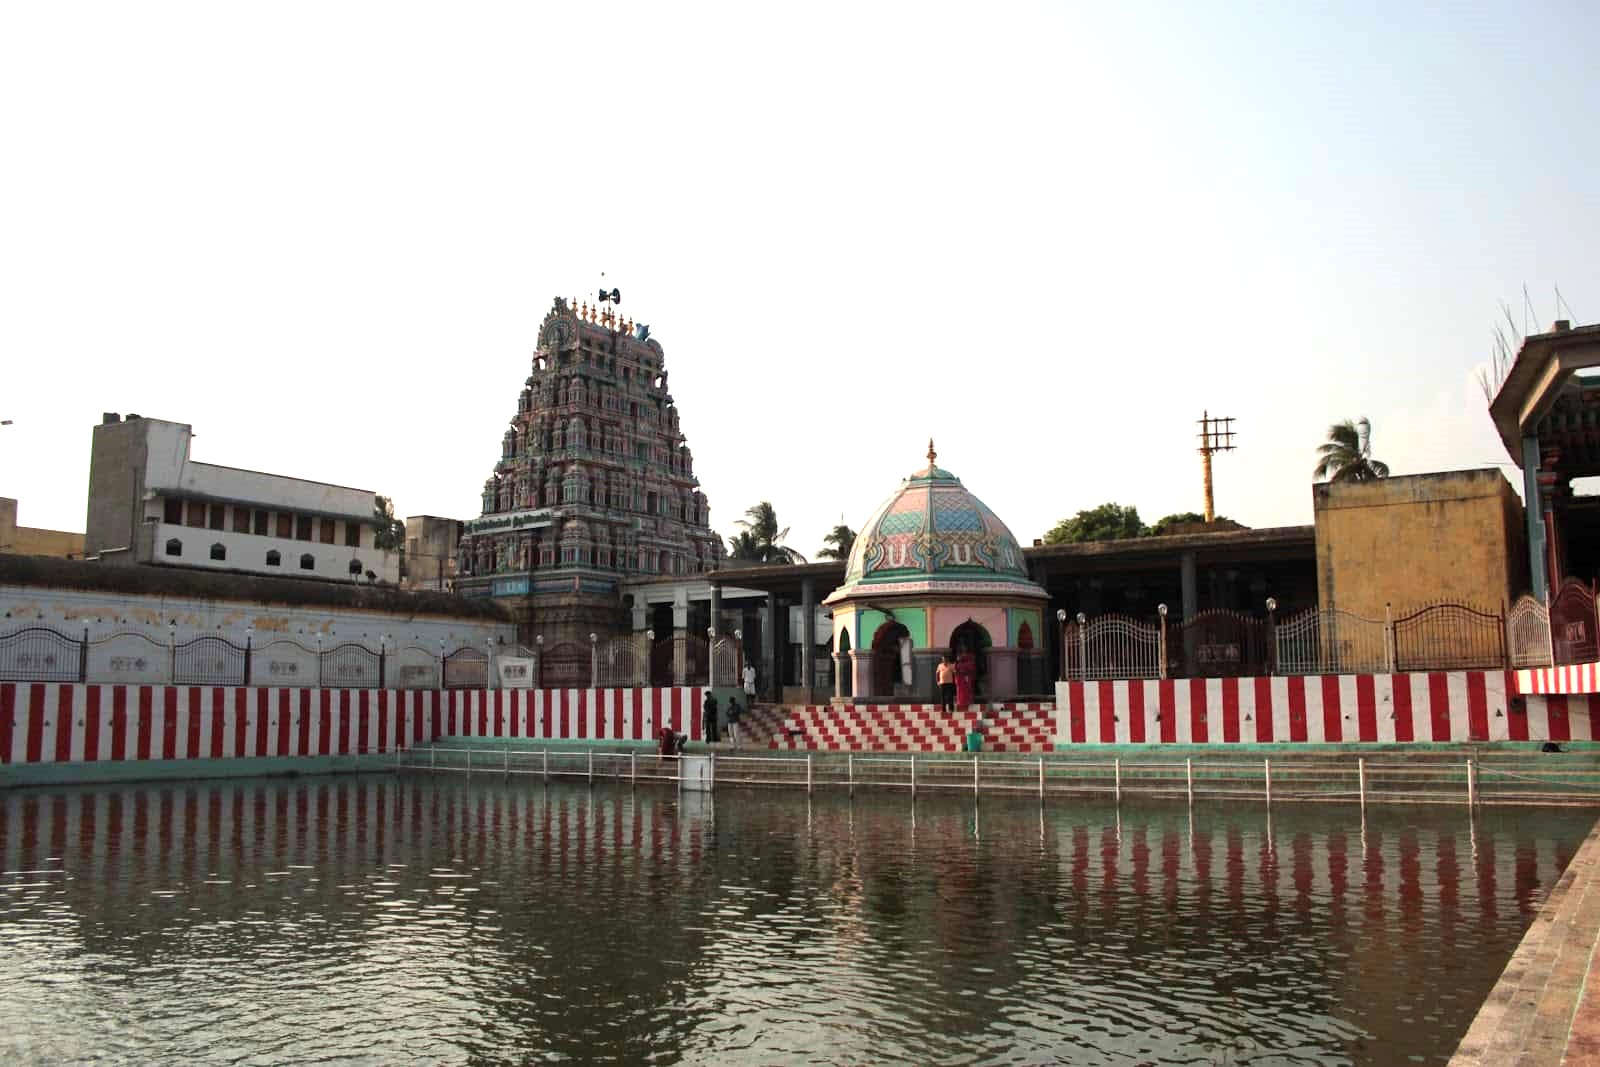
975	742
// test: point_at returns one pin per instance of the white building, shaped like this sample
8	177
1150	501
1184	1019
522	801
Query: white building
150	503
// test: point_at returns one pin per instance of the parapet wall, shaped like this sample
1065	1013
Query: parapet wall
1441	706
75	725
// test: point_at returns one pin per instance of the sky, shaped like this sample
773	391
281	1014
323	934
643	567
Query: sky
1048	236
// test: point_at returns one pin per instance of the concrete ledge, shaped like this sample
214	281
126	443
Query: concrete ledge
1545	1010
26	774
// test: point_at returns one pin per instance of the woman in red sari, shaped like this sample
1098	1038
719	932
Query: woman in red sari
966	678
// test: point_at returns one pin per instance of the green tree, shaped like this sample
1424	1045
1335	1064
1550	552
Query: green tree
388	532
1108	522
760	524
837	545
1179	521
743	546
1347	454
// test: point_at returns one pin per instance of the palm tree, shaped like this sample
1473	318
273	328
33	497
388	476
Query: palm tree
743	546
1347	455
760	524
838	543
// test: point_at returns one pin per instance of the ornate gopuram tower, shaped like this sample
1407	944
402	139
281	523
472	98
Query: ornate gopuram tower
595	484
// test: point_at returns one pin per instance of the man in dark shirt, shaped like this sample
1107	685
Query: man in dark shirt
708	718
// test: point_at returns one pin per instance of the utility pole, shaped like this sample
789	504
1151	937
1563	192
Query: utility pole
1216	435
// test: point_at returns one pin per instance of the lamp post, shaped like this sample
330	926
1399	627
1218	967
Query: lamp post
1272	635
1061	629
1161	647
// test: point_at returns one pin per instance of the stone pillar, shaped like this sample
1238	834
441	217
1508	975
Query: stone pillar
1550	486
1186	578
1535	518
924	683
716	608
841	663
861	674
1002	663
808	636
769	650
641	616
680	636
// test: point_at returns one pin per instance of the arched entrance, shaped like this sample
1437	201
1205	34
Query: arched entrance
886	658
970	639
841	666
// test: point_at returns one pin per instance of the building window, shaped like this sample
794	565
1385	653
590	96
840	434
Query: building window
352	535
174	547
197	513
241	520
355	567
172	511
308	562
219	551
326	531
261	523
274	558
219	517
285	526
302	527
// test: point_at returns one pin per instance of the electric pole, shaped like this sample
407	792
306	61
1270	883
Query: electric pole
1216	435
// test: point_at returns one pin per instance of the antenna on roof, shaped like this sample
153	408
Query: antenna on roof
1562	303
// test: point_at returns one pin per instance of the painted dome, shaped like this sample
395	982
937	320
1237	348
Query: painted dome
933	535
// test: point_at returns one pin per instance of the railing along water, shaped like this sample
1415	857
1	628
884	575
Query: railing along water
1450	777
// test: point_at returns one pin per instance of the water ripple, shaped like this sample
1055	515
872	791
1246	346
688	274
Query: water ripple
449	922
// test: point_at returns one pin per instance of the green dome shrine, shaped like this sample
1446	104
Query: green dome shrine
935	572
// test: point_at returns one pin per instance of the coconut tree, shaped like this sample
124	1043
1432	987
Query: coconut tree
743	546
838	543
1347	455
760	524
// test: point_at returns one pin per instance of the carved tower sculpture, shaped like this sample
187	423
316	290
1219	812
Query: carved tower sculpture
595	483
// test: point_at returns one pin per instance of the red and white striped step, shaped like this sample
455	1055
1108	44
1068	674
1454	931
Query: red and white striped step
1020	727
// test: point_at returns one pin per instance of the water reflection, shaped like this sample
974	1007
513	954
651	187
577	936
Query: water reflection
448	921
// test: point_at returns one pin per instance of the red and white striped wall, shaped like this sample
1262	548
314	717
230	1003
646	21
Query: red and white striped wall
1452	706
1573	678
572	714
57	723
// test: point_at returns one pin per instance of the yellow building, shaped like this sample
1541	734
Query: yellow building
1454	535
29	541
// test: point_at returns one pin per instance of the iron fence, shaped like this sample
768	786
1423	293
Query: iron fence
466	668
1449	636
351	666
1528	634
1216	644
725	665
1331	642
618	662
1573	637
1113	646
40	654
210	660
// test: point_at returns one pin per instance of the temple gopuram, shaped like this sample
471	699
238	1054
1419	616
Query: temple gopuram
595	485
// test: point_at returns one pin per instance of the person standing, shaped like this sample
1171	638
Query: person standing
749	684
708	718
966	679
946	674
734	711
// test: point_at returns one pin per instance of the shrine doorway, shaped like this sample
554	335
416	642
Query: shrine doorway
886	658
972	639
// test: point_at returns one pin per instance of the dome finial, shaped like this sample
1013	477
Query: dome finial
932	455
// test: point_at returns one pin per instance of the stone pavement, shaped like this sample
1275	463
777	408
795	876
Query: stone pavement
1545	1009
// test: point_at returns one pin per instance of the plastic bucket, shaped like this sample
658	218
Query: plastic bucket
975	742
